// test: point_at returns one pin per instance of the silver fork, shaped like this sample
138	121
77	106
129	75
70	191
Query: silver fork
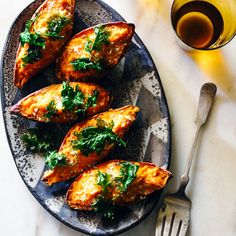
174	215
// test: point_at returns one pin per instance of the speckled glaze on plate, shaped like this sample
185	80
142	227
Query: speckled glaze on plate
134	80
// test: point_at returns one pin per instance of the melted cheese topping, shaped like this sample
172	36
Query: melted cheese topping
120	37
149	178
119	117
34	106
47	10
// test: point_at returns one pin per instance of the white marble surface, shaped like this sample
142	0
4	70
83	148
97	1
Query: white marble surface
212	186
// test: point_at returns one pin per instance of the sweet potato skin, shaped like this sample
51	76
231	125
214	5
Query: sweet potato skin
122	118
84	190
34	105
120	37
22	73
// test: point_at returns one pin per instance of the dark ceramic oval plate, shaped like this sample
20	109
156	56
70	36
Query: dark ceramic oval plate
134	80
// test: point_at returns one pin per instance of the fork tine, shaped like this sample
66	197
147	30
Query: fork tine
160	224
184	228
162	219
173	217
172	224
181	223
169	224
177	227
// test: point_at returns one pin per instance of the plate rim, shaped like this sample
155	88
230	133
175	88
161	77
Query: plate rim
163	97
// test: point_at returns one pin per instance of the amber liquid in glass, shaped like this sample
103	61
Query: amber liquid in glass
199	24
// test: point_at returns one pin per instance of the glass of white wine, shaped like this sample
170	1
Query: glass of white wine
204	24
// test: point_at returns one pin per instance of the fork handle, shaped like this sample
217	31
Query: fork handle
185	176
206	99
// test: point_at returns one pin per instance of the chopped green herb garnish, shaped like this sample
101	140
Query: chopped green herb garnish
102	124
37	141
73	99
78	100
34	53
54	159
31	38
92	99
85	63
127	175
105	207
93	139
101	38
88	46
55	25
51	110
103	180
36	44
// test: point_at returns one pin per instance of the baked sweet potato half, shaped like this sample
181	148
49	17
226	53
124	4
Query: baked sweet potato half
92	51
44	35
118	182
64	102
88	142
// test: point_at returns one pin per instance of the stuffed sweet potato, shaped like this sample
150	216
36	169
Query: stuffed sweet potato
43	38
63	102
118	182
92	51
88	142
